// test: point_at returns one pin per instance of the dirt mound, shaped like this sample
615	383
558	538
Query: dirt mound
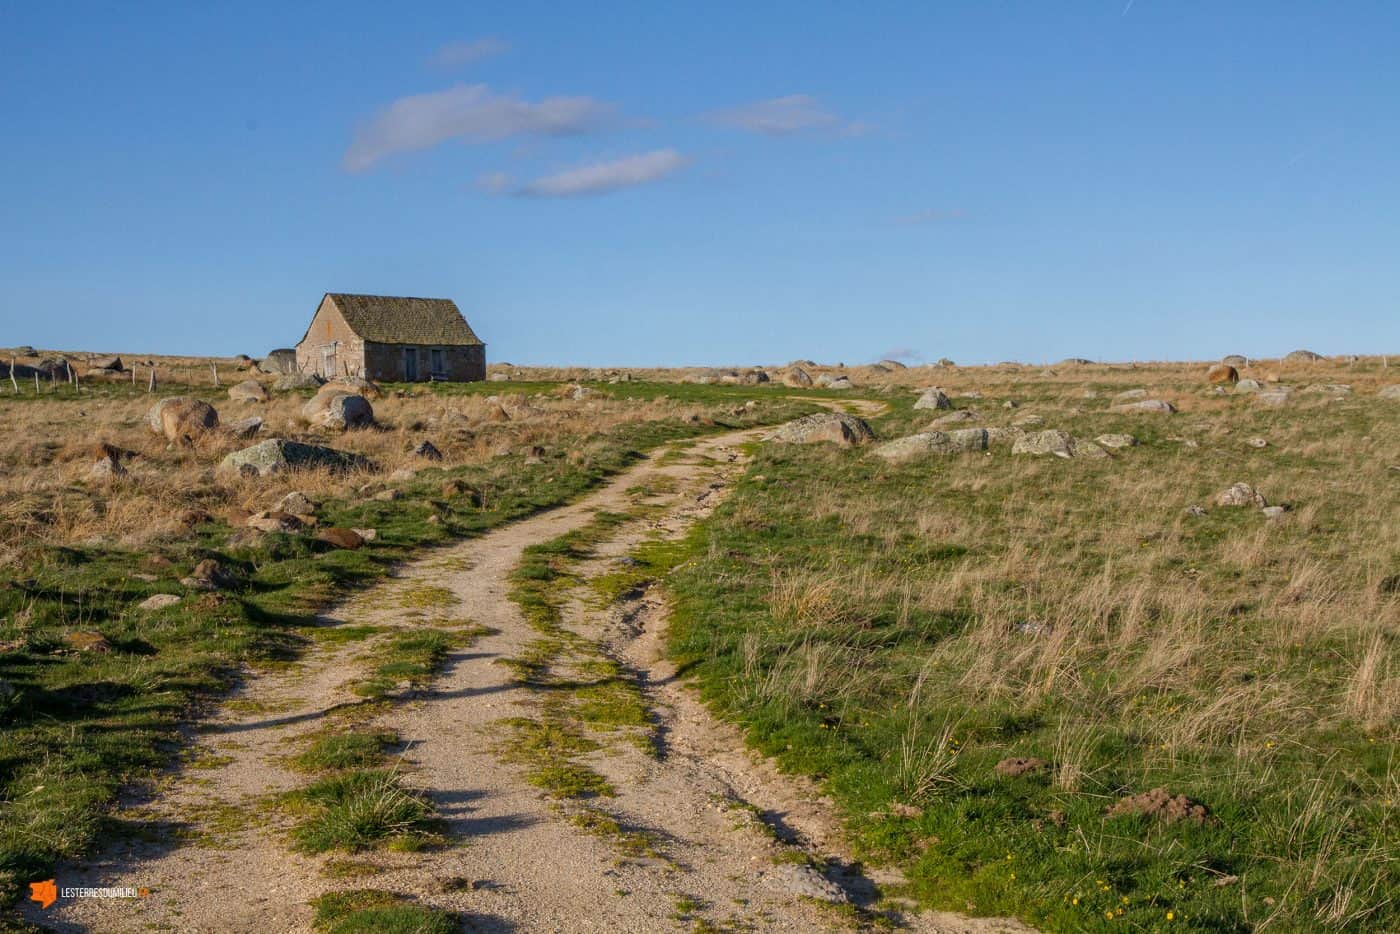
1162	805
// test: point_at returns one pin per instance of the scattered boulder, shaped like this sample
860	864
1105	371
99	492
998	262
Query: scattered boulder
107	461
754	377
797	377
244	428
341	538
1222	373
893	365
1115	441
210	575
1144	405
934	398
1054	441
274	520
1257	443
1302	356
1389	392
157	602
297	503
1196	510
339	411
1336	390
427	450
1021	765
109	364
289	382
1002	435
1241	494
836	427
1162	805
934	442
802	880
278	454
182	419
841	382
1234	360
367	535
1075	361
388	496
1128	395
1248	385
1274	512
1028	420
250	390
1274	397
953	418
280	362
244	362
355	385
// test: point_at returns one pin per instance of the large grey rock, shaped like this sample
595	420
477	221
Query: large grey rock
182	418
797	377
1235	360
1275	397
250	390
1058	443
934	398
279	362
804	881
339	411
276	455
840	382
294	380
961	441
1144	406
1115	441
835	427
1248	385
244	428
1001	435
157	601
1303	356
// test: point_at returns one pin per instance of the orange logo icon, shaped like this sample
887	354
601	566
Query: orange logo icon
43	892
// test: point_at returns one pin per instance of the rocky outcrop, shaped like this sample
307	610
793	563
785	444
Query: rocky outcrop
834	427
277	455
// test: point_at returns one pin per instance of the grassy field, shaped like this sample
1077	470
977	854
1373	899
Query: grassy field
95	693
899	630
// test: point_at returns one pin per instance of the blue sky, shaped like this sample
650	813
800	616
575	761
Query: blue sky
640	184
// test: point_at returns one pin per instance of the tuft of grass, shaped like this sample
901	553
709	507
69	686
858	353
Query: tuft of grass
354	750
375	911
359	810
549	750
409	657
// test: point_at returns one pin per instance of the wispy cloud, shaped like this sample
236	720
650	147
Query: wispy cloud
785	116
461	53
599	177
473	113
494	182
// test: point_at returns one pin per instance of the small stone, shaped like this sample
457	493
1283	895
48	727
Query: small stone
388	496
1274	512
87	641
1241	494
158	602
1196	511
1159	406
428	451
340	538
1257	443
1116	441
297	503
274	520
368	535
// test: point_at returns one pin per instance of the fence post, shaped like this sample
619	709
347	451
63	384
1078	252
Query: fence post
151	386
13	382
214	368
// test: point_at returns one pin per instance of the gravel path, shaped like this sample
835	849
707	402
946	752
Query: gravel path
735	842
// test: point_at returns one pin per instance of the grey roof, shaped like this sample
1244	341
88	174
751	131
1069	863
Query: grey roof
389	319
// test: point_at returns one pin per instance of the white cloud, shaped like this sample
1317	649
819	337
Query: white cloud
474	113
784	116
599	177
457	54
493	182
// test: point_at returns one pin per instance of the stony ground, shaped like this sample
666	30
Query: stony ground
730	841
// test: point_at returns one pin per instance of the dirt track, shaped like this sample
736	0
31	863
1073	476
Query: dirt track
216	858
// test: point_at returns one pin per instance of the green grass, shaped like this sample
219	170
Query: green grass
354	750
860	622
409	657
360	809
374	911
549	751
74	728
